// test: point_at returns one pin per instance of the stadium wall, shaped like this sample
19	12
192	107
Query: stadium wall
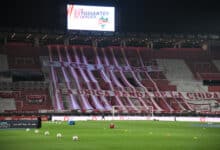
147	118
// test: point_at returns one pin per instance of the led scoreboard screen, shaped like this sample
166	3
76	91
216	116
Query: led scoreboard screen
90	18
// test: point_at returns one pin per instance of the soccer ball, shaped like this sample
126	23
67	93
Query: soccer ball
75	138
46	133
36	131
59	135
27	129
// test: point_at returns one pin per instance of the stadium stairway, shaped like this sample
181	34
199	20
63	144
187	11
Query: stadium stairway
179	74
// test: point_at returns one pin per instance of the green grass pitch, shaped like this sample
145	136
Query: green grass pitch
127	135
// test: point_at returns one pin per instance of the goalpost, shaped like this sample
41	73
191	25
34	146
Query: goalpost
138	110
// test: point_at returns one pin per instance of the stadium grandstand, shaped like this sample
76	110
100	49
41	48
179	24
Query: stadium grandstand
96	57
89	73
109	75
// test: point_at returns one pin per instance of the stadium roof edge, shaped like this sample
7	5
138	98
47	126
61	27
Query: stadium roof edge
61	31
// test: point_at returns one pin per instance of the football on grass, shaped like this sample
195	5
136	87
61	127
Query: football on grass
36	131
75	138
46	133
59	135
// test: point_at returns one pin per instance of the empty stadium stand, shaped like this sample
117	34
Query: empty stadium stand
88	79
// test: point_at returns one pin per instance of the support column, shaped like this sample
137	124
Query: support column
94	43
36	41
66	41
123	43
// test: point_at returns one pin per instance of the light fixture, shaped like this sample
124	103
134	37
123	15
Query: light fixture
28	36
44	37
13	35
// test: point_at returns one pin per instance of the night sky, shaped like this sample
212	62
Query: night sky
135	16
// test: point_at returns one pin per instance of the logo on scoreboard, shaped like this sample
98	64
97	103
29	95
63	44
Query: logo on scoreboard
103	21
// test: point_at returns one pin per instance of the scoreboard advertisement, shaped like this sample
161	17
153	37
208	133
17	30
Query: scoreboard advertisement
90	18
20	122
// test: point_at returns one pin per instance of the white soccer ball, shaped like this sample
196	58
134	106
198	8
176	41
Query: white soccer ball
75	138
36	131
59	135
27	129
46	133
